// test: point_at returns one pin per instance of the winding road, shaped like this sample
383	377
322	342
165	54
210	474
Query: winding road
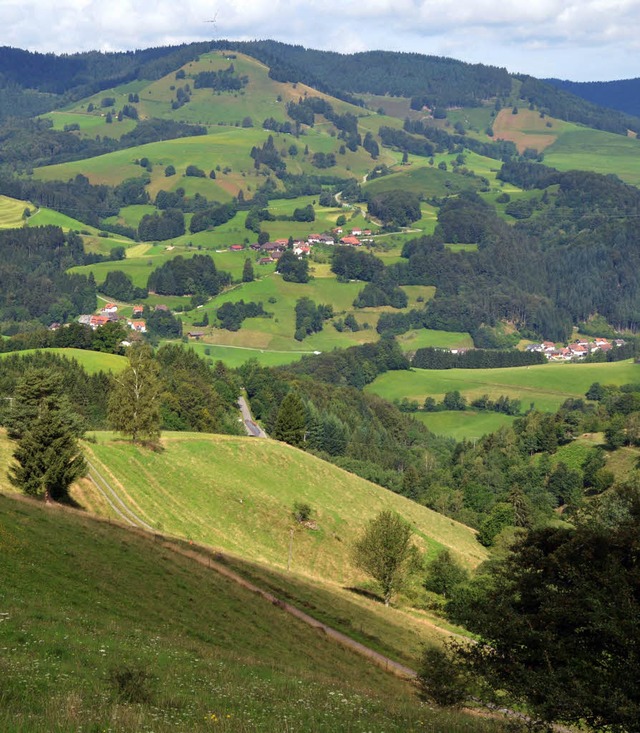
250	425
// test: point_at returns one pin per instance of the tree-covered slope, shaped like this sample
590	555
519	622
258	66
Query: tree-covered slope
622	95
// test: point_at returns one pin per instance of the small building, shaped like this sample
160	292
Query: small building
97	321
350	241
265	260
110	308
162	307
273	247
197	335
136	325
236	247
138	310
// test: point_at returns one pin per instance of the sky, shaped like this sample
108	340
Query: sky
590	40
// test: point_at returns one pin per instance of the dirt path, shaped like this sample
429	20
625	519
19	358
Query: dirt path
396	668
202	557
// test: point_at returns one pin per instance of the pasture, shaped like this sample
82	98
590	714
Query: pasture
90	361
198	488
546	386
602	152
11	211
463	424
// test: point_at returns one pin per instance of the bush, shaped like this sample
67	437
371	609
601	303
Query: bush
302	511
440	679
131	684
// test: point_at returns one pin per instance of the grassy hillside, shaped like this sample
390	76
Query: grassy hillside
463	425
11	211
91	361
88	646
546	386
238	494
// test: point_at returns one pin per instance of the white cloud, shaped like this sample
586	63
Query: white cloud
589	39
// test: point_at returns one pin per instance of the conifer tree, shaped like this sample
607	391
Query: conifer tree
291	420
247	272
48	458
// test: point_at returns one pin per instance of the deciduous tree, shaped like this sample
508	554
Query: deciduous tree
383	551
134	404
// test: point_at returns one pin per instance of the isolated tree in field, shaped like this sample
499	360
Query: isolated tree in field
134	403
383	551
48	458
247	272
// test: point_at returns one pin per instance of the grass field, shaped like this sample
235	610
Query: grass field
91	361
602	152
528	129
88	646
11	211
546	386
463	425
238	494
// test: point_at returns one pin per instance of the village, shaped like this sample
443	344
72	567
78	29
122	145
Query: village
575	351
270	252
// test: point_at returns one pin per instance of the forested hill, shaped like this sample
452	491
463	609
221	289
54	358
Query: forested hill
32	83
622	94
434	81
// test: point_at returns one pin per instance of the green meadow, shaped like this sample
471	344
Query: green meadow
463	425
91	361
237	494
420	178
545	386
88	646
11	211
235	356
602	152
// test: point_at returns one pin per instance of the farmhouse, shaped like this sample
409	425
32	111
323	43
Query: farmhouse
136	325
273	247
110	308
96	321
138	310
350	241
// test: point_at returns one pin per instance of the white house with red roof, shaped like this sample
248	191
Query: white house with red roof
136	325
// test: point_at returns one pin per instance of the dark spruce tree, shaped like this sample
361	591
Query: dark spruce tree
48	457
291	421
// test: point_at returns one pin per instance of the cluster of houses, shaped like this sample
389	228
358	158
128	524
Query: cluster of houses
579	349
272	251
109	314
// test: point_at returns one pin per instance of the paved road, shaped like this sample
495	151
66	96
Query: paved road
250	424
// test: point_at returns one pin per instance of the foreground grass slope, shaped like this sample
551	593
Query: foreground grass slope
105	629
238	494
